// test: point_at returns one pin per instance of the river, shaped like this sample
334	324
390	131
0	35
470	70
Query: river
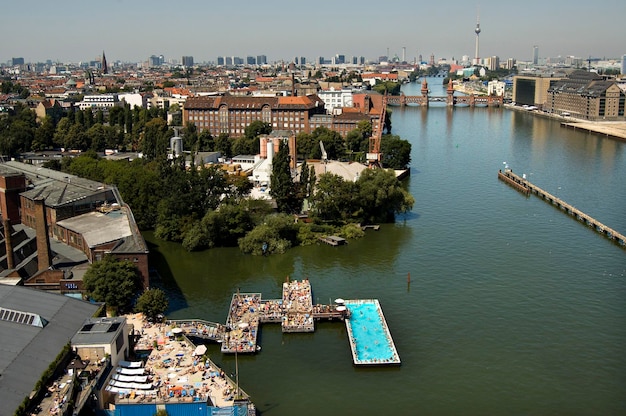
513	306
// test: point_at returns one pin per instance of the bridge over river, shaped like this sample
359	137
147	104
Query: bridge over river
450	99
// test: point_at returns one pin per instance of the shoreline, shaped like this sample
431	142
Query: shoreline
612	129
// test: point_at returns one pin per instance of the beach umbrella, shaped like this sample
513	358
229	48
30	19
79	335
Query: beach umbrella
339	301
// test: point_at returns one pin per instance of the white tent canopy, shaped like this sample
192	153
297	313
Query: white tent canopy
200	350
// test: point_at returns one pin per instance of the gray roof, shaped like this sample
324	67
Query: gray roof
98	228
99	331
26	351
57	188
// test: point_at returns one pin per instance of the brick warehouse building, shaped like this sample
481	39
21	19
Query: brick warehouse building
230	114
84	215
588	96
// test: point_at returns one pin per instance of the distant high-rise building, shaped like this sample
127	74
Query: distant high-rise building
493	63
237	60
154	61
105	68
623	65
404	54
187	61
320	60
228	60
220	60
510	63
535	55
17	61
250	60
261	60
432	59
340	59
302	60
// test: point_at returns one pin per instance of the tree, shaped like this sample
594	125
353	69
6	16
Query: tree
223	145
282	187
381	196
396	152
152	303
113	282
257	128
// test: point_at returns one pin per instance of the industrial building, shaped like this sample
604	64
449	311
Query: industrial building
54	222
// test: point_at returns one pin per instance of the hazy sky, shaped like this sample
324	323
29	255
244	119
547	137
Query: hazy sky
132	30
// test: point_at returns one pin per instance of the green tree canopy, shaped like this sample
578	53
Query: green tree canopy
113	282
152	303
282	186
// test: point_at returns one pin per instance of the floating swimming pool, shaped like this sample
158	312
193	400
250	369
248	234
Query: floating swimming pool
370	339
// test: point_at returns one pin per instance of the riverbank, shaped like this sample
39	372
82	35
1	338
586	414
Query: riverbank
612	129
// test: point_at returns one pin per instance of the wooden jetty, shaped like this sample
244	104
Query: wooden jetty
198	328
334	240
528	188
374	227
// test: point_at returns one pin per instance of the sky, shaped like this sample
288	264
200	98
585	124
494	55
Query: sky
132	30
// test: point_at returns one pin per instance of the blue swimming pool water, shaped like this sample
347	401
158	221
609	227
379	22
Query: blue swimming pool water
368	330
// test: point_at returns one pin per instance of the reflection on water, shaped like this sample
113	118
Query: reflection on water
512	304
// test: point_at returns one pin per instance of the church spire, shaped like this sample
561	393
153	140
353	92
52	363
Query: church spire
105	70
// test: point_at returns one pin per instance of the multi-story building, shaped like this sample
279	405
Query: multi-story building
496	88
532	90
335	98
261	60
82	214
231	114
187	61
100	102
588	96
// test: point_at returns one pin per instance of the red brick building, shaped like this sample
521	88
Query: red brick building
232	114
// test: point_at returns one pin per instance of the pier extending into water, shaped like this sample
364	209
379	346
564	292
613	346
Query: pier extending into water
525	187
296	312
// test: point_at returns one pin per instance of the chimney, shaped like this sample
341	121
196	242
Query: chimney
6	223
43	244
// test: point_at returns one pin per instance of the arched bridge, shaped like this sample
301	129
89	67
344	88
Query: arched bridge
450	99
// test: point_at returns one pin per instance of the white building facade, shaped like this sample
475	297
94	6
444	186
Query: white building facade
336	99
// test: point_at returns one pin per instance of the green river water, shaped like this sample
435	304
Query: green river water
514	307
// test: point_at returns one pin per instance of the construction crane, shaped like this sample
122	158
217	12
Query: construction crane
374	156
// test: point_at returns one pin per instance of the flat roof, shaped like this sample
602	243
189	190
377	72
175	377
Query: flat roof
98	228
99	331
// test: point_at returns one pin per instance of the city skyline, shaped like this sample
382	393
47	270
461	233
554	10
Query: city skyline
131	31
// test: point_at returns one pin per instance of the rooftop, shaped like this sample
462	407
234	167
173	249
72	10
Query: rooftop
26	351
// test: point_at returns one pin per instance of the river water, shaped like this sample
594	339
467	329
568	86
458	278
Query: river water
513	306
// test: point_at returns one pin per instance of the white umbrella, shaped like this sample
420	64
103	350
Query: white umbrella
339	301
177	331
200	350
341	308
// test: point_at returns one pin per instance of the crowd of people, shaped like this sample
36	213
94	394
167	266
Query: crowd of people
298	304
242	324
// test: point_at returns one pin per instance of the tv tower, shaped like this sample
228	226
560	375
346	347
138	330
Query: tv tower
477	31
